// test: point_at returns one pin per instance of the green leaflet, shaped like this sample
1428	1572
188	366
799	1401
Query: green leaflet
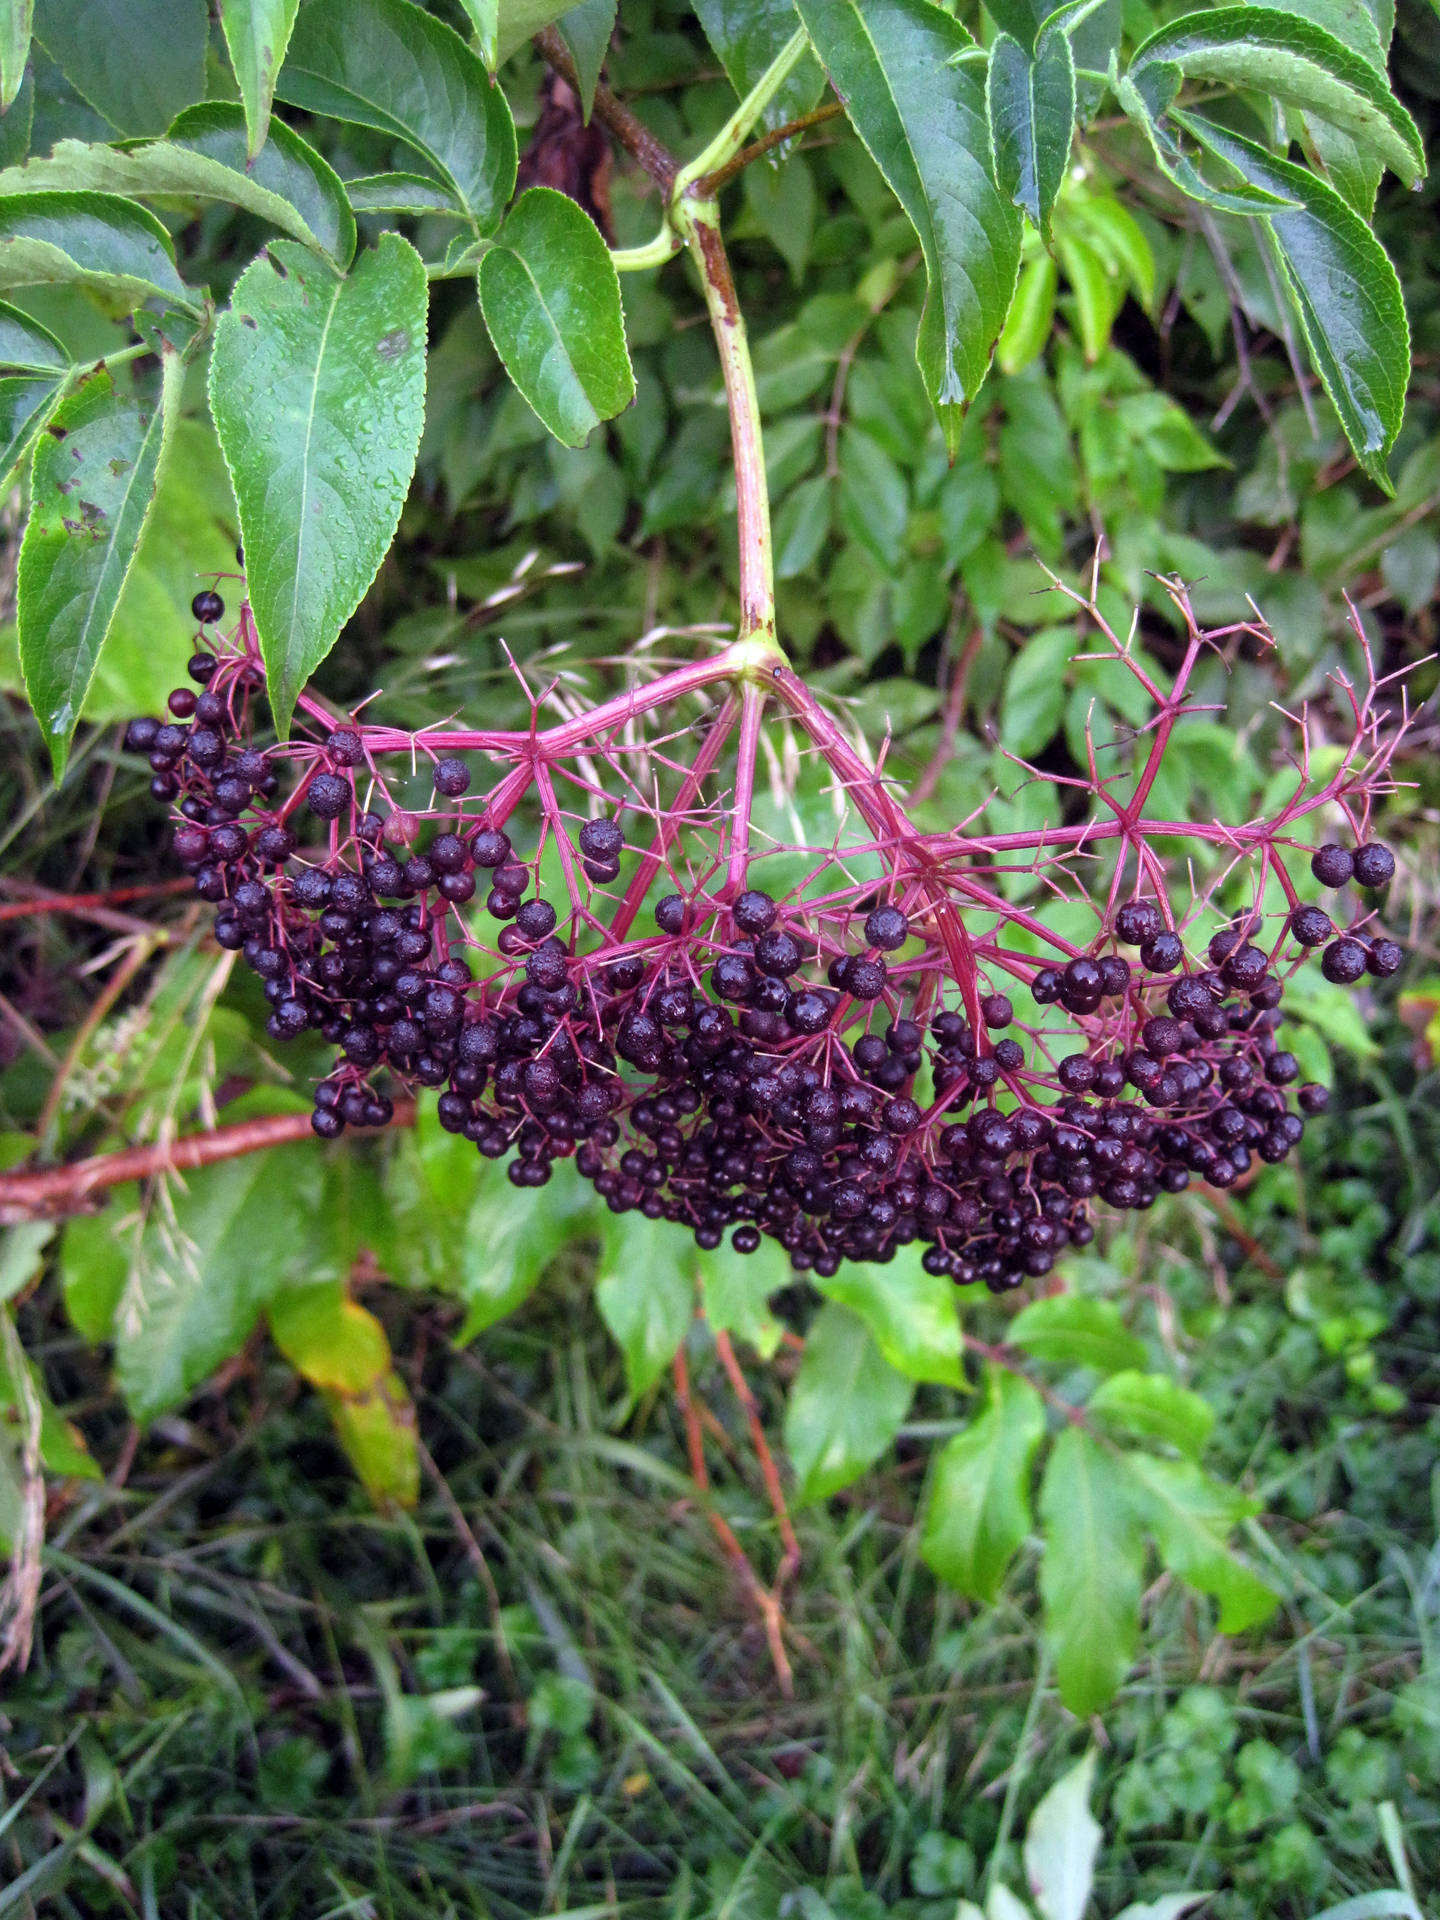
845	1406
15	23
1151	1406
137	62
912	1315
1030	104
747	35
1297	62
317	386
1345	292
1073	1330
735	1290
586	30
509	1241
26	346
1090	1577
288	185
390	65
1146	98
1190	1515
93	482
923	120
645	1290
257	32
979	1507
484	16
401	193
26	401
1031	317
89	240
551	299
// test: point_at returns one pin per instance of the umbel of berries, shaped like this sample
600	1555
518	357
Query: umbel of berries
849	1047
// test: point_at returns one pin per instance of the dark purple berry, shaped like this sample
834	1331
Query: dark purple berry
208	607
452	778
1343	961
886	928
1311	926
327	796
1332	866
1138	921
1384	958
1374	865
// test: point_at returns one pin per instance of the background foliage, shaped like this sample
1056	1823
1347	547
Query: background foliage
254	1694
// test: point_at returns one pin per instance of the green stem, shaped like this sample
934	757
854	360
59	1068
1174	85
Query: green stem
666	244
732	136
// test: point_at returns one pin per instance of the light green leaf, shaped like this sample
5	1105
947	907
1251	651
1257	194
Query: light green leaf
205	1267
401	193
88	240
1146	98
26	403
979	1510
801	526
15	23
586	31
1072	1330
93	482
257	32
924	123
1090	1577
1061	1844
747	35
390	65
1030	103
484	17
1098	293
94	1265
1151	1406
1190	1516
551	299
645	1290
317	386
511	1237
845	1406
1345	292
137	62
1034	696
516	21
912	1315
1294	60
199	163
62	1448
1031	317
26	346
735	1290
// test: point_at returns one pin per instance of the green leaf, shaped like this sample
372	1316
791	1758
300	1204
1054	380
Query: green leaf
62	1448
1097	292
205	1267
1146	99
89	240
782	202
287	186
979	1510
94	1265
747	35
93	482
911	1314
845	1406
317	386
257	32
551	299
1345	291
15	23
1298	62
1091	1575
645	1290
1061	1844
1030	104
511	1237
1072	1330
26	346
586	31
390	65
735	1290
1034	696
924	123
801	526
137	62
26	403
1190	1516
1031	317
400	193
1151	1406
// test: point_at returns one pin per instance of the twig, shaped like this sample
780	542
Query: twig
638	141
710	184
770	1472
88	906
53	1192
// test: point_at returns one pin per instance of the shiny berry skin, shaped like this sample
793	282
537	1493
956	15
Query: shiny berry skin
866	979
1045	987
327	796
208	607
1332	866
1311	926
489	847
670	913
1384	958
1313	1098
886	928
1343	961
777	954
1374	865
1163	954
1138	921
754	911
452	778
201	668
996	1011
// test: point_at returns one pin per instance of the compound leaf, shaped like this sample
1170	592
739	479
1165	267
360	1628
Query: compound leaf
923	120
93	482
137	62
317	386
845	1406
87	239
257	32
979	1511
551	299
1344	289
1090	1577
390	65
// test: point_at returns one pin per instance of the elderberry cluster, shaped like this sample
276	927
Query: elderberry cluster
750	1066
